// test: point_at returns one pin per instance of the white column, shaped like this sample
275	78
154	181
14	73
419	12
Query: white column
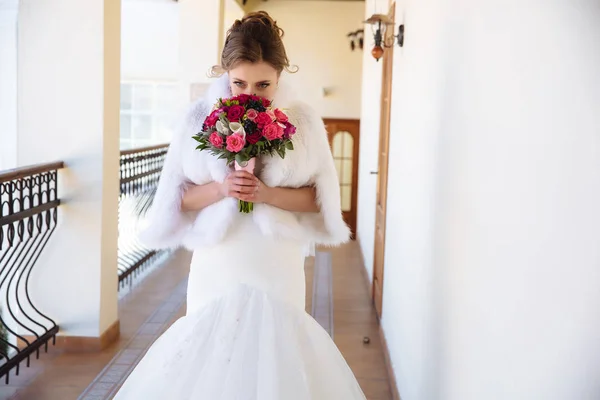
200	33
68	92
8	83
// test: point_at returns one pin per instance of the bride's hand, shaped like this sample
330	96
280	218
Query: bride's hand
261	194
242	185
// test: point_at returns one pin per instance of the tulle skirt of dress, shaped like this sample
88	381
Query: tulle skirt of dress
246	335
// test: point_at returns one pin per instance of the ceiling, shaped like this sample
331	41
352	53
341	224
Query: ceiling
252	4
362	1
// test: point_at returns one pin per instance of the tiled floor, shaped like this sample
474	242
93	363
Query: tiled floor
354	318
337	298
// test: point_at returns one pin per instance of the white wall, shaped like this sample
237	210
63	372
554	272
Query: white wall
232	12
369	140
492	279
315	40
410	318
8	83
520	254
200	31
150	40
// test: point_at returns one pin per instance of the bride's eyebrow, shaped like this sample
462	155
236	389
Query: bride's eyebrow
258	83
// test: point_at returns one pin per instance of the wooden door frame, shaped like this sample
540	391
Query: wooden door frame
355	155
384	136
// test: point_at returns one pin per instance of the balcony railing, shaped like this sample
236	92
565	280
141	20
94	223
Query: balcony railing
140	171
28	218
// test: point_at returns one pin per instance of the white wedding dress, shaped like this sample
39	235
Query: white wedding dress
246	335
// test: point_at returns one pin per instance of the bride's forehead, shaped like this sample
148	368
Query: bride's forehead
253	72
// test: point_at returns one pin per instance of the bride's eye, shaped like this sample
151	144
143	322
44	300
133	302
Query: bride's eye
264	85
239	84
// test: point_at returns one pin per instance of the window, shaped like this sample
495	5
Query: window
343	151
147	113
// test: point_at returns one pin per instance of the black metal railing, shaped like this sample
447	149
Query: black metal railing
140	171
28	218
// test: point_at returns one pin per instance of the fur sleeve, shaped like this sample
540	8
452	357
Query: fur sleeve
166	225
326	227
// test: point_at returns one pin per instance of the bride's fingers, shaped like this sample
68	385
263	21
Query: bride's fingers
239	189
251	196
245	182
244	174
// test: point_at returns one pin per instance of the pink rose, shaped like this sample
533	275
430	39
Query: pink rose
252	114
271	114
235	143
263	119
272	131
280	115
216	140
235	113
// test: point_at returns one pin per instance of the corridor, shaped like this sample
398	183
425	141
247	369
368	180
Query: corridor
466	140
337	297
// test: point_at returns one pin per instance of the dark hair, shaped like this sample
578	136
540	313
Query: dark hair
254	38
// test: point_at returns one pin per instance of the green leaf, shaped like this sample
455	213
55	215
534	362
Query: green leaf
242	159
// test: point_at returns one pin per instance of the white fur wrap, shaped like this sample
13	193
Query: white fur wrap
310	163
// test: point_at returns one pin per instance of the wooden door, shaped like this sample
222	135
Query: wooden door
344	136
382	173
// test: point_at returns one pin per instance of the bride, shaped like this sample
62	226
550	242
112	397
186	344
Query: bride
245	335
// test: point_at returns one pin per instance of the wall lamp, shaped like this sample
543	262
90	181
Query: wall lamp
356	37
379	25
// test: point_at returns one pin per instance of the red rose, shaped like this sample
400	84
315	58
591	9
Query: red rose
235	113
265	102
212	119
254	137
280	115
243	98
263	119
289	129
272	131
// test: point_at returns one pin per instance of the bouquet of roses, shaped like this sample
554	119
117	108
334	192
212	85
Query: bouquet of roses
244	127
